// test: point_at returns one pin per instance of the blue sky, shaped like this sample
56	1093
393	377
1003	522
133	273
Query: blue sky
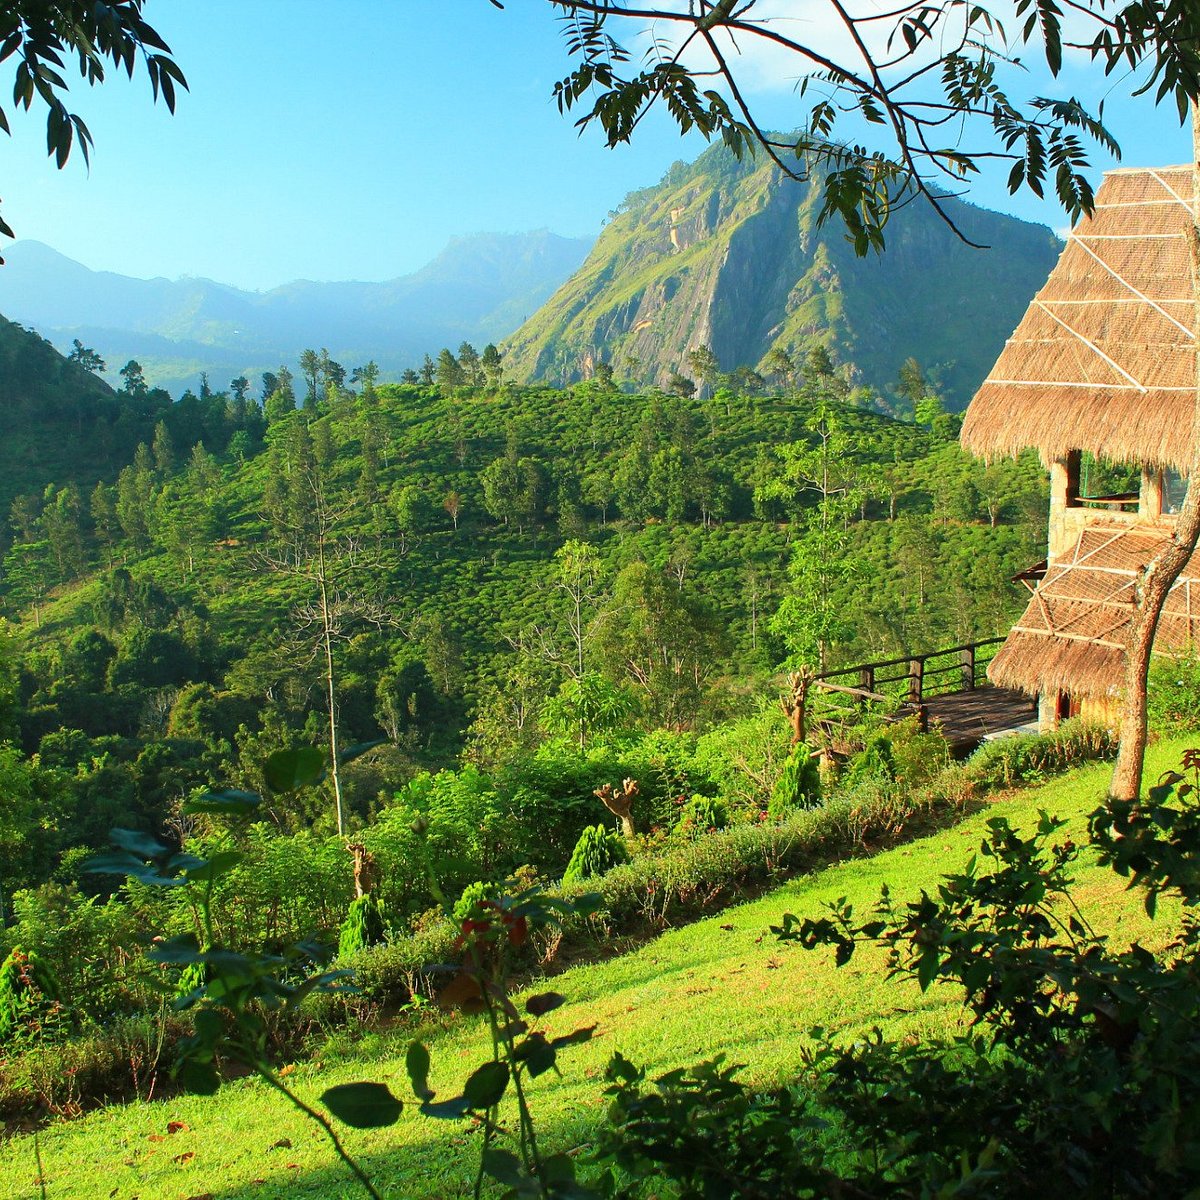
351	141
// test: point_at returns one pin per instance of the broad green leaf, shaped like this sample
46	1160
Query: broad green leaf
179	950
486	1085
201	1078
220	864
209	1026
153	877
464	992
503	1166
363	1105
139	843
230	802
359	749
329	981
536	1053
114	862
558	1169
287	770
181	862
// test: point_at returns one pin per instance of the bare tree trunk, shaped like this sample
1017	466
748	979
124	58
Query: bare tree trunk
330	691
1155	582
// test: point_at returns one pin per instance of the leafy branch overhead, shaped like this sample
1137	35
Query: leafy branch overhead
43	38
929	76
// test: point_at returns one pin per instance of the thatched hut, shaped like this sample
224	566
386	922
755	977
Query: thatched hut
1102	364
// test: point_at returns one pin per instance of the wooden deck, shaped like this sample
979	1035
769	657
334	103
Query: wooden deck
968	718
946	688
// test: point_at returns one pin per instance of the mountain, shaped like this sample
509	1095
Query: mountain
478	289
728	254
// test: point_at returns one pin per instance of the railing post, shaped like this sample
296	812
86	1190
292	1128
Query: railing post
916	679
866	681
967	658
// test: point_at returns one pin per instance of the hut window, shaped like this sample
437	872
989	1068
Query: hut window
1102	483
1071	469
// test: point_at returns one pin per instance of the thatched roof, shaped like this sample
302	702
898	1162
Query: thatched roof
1073	634
1104	359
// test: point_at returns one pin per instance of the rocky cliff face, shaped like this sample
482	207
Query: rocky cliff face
728	255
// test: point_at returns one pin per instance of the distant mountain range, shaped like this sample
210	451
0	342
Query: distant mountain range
721	253
728	254
478	289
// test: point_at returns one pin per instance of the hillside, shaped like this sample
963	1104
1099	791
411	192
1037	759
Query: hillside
62	424
719	986
478	289
175	583
728	255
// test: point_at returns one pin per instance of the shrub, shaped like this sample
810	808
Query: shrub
687	879
285	889
125	1060
597	851
474	895
362	927
874	762
88	947
28	995
799	784
918	757
744	758
1173	696
1074	1037
393	973
702	814
1010	760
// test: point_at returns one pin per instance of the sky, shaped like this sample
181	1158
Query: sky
353	140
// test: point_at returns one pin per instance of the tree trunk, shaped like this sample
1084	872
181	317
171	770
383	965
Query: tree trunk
330	690
1155	582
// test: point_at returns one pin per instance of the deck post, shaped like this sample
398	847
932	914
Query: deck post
916	679
866	681
967	658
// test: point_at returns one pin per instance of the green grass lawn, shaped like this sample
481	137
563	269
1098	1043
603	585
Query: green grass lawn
720	986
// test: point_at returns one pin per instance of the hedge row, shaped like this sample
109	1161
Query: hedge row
685	880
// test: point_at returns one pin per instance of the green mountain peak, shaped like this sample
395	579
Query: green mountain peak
729	255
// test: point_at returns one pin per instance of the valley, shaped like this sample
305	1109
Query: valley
486	732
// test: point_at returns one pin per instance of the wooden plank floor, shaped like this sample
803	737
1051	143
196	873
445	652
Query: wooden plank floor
967	718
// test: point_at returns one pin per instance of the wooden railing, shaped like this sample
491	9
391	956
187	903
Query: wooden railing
919	676
905	683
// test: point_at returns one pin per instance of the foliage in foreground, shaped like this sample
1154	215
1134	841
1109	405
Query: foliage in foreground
1080	1072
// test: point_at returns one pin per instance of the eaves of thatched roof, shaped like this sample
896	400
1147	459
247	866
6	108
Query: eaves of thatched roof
1104	359
1073	634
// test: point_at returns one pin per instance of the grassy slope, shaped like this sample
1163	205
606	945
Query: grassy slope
719	986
